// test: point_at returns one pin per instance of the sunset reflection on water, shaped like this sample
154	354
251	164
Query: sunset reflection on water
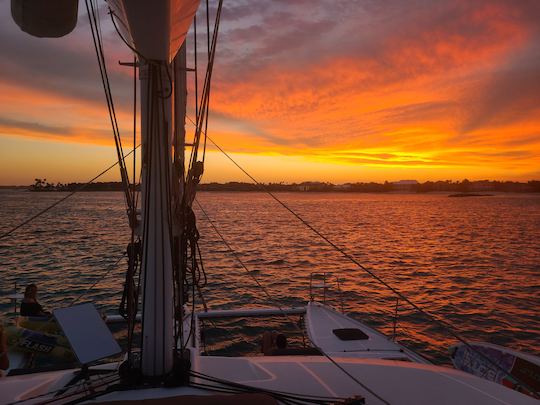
473	262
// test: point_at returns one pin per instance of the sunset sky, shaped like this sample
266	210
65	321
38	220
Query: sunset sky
329	90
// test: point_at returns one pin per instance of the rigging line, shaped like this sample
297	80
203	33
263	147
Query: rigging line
134	175
120	153
231	389
99	279
211	55
164	184
353	377
169	93
208	50
196	67
82	394
281	399
140	55
444	324
145	197
95	5
208	29
237	257
227	390
103	70
350	258
207	377
203	113
280	395
80	188
77	385
279	306
134	127
191	334
167	152
98	46
60	391
96	282
132	266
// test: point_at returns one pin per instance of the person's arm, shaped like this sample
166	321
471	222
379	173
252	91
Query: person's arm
42	311
4	359
266	343
23	309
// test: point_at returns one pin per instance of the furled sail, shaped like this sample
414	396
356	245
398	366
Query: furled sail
155	29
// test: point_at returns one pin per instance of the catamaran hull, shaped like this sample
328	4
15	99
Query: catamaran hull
526	367
396	382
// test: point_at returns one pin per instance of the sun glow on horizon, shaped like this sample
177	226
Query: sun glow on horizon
438	91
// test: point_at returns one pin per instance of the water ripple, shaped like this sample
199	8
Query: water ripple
475	262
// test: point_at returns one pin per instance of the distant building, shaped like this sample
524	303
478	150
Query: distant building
482	185
315	186
404	185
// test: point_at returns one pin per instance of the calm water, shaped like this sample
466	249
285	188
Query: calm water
473	261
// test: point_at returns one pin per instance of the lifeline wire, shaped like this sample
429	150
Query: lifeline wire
237	257
444	324
281	309
121	156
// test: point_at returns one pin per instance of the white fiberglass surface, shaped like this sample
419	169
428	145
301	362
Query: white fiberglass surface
321	321
87	333
393	381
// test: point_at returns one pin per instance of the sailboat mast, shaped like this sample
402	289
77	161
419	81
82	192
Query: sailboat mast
162	178
156	32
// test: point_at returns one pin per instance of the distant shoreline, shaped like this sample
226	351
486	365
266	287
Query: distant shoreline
445	193
463	188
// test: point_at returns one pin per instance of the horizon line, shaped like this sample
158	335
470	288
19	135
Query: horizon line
301	182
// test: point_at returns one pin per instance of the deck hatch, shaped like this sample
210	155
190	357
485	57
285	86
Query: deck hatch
350	334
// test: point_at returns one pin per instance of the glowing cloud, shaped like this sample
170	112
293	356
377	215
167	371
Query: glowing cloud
339	91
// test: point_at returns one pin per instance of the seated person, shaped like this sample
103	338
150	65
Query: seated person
273	343
30	305
4	360
281	341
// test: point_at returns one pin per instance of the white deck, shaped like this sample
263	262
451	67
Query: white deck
396	382
322	320
382	380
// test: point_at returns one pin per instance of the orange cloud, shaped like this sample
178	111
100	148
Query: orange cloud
442	89
49	115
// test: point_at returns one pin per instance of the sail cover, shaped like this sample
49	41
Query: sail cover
155	29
